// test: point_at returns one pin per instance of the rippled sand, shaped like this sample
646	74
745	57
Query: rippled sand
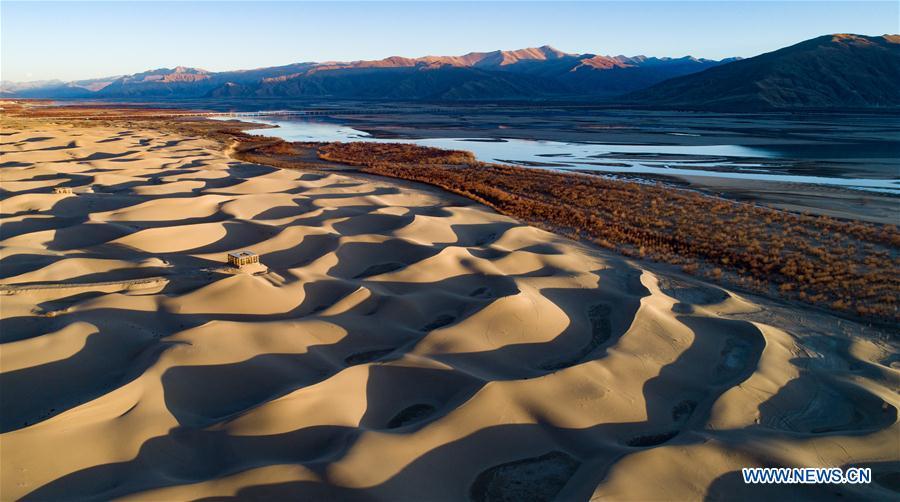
404	344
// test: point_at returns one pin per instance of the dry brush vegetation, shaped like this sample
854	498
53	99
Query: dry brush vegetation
368	154
852	267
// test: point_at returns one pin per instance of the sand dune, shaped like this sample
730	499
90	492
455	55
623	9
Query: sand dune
404	344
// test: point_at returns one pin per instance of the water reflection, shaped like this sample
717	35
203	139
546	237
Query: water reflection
769	163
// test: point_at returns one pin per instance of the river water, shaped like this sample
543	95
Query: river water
773	164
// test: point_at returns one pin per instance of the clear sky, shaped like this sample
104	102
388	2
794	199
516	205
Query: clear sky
73	40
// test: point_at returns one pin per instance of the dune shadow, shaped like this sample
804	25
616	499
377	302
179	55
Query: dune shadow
311	248
187	454
108	360
372	224
819	403
18	264
406	398
387	256
100	156
480	234
593	324
194	394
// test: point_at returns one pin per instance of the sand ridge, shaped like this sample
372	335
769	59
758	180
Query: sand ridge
404	344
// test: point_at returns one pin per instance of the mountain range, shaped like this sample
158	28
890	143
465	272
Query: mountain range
542	72
833	71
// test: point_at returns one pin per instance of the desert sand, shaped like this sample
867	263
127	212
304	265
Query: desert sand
400	344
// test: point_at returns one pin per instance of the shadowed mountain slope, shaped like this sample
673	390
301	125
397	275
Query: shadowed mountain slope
832	71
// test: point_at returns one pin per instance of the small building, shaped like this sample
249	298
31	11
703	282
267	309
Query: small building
62	190
241	258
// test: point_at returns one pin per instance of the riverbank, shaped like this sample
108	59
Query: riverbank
852	181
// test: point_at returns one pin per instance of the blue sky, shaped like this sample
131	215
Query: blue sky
72	40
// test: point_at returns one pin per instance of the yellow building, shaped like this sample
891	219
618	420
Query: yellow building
241	258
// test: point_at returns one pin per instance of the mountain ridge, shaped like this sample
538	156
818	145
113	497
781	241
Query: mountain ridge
533	72
836	71
840	70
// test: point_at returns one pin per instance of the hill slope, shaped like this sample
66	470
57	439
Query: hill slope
532	73
832	71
